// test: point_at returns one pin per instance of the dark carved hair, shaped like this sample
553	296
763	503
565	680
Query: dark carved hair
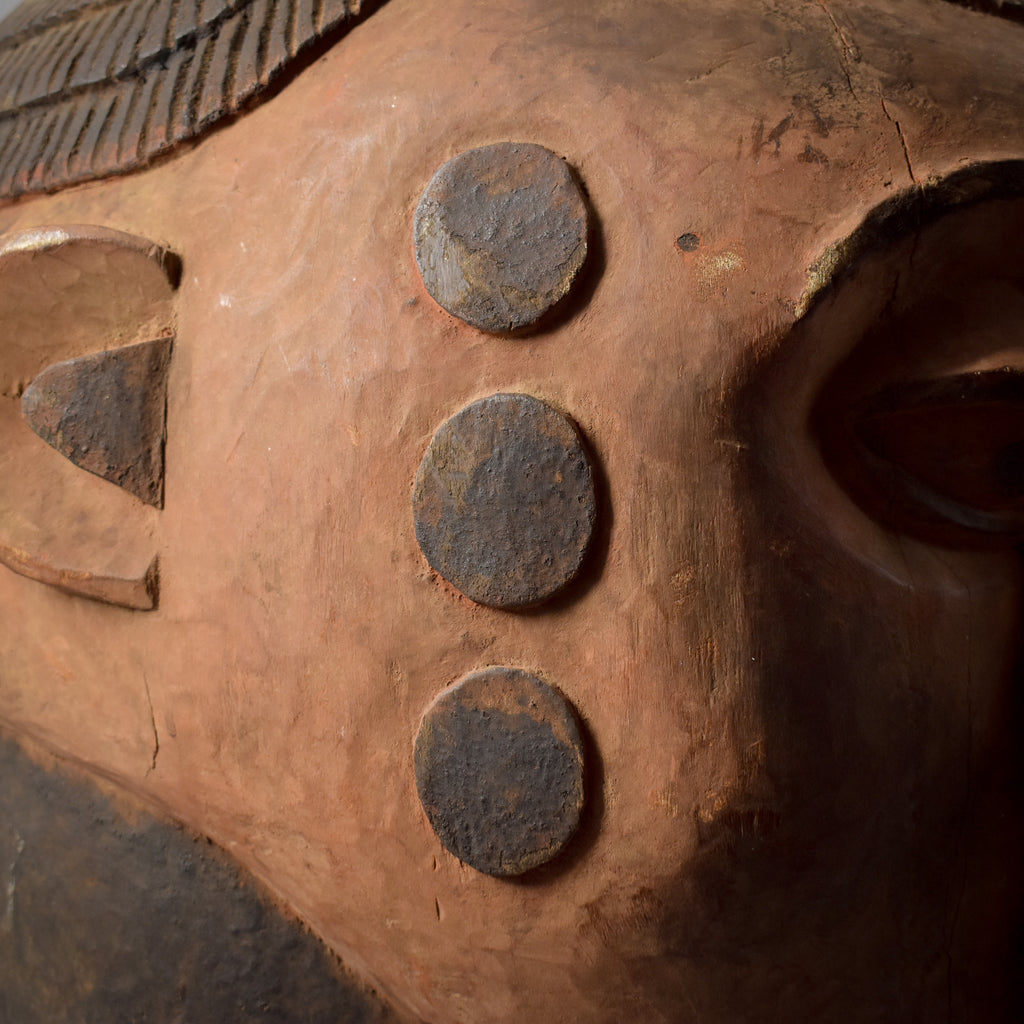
96	87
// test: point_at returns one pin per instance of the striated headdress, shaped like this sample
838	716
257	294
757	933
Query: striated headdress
90	88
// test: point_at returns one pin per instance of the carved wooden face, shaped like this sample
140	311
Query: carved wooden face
763	638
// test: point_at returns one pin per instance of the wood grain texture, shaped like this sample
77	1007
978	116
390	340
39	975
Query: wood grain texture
136	77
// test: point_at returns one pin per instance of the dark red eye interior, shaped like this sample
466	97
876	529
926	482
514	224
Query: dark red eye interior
921	419
950	451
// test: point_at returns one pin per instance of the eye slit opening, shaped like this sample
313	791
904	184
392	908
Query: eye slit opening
912	337
944	457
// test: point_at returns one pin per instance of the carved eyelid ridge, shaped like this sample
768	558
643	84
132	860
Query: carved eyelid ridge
922	421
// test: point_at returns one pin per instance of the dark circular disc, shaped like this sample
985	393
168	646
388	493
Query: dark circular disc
500	234
499	771
504	501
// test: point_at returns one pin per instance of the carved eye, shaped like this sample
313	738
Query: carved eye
922	422
86	322
950	452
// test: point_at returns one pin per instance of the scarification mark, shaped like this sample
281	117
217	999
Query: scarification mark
153	44
133	30
276	52
201	67
216	90
101	64
8	150
101	55
266	25
903	142
230	93
103	152
20	150
172	19
78	130
247	59
24	57
156	131
87	143
290	28
94	60
182	124
178	95
152	722
56	138
11	62
40	141
133	137
33	20
186	21
54	72
848	50
32	53
121	127
305	22
95	55
335	9
33	82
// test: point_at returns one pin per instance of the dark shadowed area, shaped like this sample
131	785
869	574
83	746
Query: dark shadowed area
105	919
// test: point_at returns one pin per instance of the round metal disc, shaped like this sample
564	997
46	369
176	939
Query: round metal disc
504	501
499	771
500	234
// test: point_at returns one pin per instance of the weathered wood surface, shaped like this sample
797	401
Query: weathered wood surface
801	716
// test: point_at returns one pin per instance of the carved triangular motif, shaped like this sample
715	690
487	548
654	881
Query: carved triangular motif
106	413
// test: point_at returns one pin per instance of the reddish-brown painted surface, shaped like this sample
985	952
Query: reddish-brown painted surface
804	793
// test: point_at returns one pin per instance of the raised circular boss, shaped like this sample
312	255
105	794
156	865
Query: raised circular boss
499	771
500	235
504	501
